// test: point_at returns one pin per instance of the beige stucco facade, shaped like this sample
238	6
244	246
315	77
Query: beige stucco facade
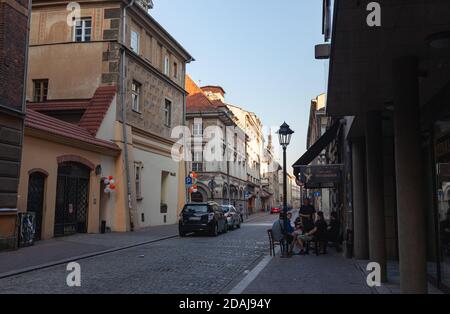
75	70
41	154
221	180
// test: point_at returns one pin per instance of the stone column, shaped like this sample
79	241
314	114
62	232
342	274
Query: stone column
361	240
410	203
375	192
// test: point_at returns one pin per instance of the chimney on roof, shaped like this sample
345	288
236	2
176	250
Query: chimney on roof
214	93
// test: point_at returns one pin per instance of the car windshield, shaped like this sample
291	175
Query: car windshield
197	209
225	209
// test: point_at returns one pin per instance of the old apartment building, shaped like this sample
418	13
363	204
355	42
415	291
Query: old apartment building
250	180
222	179
318	125
118	46
252	126
14	17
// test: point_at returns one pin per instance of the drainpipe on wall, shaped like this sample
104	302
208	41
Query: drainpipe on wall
123	114
186	163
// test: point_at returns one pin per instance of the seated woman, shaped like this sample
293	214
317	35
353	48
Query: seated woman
319	233
298	234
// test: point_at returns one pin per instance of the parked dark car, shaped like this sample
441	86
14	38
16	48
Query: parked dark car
233	216
202	217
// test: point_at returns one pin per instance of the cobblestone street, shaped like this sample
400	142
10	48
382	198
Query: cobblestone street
236	262
197	264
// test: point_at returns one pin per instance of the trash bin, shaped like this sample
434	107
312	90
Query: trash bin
27	229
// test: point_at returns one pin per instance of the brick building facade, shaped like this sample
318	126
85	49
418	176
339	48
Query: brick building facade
13	50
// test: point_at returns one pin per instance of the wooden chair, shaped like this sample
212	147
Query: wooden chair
318	245
273	243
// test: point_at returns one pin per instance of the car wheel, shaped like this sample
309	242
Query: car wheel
239	225
215	231
225	228
182	234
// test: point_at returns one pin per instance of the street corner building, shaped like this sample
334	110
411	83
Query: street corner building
103	94
246	177
223	180
14	20
388	135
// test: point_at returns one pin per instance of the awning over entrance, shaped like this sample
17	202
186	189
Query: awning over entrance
317	148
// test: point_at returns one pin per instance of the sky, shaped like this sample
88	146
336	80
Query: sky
260	51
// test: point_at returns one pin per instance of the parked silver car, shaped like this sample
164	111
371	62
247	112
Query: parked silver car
233	216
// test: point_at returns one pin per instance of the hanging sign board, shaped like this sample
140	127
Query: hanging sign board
323	176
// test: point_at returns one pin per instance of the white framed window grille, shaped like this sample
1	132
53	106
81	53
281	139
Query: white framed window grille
134	41
135	96
83	30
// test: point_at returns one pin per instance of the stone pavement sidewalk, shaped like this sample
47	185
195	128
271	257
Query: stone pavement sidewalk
63	250
59	251
324	274
310	274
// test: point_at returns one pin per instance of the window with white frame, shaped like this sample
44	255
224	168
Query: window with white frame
166	65
135	41
168	113
197	129
135	96
197	165
83	30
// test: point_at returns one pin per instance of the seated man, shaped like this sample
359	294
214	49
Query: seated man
277	229
279	234
318	233
307	214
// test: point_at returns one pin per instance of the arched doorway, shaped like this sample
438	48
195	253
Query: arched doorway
35	200
234	194
225	194
197	197
72	199
201	196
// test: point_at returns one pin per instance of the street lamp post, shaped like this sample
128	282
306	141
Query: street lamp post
285	134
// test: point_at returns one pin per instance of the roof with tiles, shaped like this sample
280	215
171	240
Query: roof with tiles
97	109
94	109
191	87
214	89
60	105
199	103
42	122
197	100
